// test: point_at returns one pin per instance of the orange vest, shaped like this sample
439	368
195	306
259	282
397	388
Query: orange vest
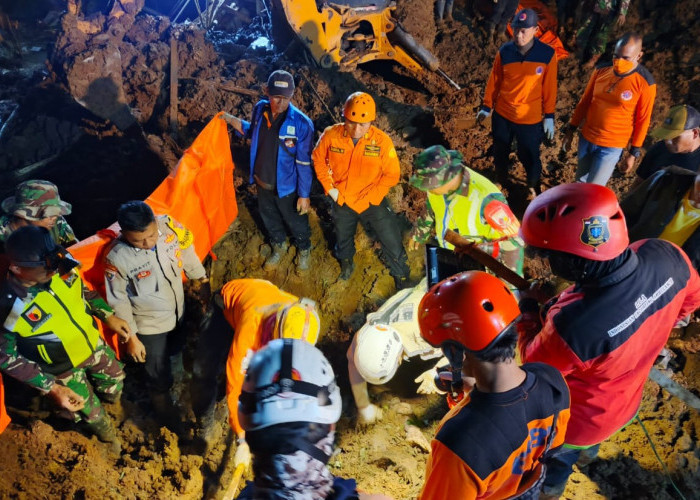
363	172
247	303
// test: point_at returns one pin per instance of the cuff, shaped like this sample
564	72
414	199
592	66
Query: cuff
635	151
485	108
549	115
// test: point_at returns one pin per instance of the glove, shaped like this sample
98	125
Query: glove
369	414
242	454
482	115
549	128
427	383
333	193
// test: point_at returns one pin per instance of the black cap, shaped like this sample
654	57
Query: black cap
526	18
280	83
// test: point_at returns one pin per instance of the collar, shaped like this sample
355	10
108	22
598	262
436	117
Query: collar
515	395
624	266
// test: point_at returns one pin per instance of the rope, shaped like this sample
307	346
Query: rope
318	96
663	465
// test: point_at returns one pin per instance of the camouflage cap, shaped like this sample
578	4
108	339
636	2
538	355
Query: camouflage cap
36	200
434	167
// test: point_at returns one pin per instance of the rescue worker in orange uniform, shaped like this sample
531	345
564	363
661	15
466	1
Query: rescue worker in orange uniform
246	314
616	107
521	89
493	443
357	164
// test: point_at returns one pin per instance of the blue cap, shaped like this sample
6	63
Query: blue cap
526	18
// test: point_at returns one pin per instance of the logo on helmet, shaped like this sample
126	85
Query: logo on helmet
595	231
522	16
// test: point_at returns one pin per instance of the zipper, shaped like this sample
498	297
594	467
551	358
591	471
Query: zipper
70	316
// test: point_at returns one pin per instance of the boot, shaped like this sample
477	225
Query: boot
104	430
278	251
165	411
347	266
207	429
303	257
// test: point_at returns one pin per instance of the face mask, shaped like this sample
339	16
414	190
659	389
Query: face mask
622	66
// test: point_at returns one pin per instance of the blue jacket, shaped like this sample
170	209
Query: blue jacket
294	172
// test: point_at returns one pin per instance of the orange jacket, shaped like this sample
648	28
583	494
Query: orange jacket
489	445
247	303
362	173
523	88
616	108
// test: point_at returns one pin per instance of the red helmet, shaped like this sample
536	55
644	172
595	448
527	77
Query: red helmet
472	309
581	219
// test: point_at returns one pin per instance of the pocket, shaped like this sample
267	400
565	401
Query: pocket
145	284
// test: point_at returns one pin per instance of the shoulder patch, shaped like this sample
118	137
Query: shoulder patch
184	236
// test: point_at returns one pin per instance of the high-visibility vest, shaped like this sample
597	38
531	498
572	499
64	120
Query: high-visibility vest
55	330
465	214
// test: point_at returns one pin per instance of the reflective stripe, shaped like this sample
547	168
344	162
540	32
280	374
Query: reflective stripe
44	355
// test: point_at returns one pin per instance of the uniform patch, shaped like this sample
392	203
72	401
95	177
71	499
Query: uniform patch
392	153
539	70
372	150
143	274
291	130
337	150
595	231
35	316
626	95
110	271
289	142
170	238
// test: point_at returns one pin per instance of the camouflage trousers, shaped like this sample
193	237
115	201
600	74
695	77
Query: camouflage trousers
593	35
101	374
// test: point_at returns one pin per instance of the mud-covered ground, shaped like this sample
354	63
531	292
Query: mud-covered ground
77	148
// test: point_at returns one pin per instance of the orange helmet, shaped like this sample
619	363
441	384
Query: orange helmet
359	107
580	219
471	308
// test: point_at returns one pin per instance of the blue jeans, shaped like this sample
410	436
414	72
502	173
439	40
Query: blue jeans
595	163
560	467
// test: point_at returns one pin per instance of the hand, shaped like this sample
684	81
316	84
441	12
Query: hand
627	164
66	398
482	115
333	193
413	244
549	128
234	121
136	350
427	383
568	139
303	205
621	20
242	455
120	327
369	414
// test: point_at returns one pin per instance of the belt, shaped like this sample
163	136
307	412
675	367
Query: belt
264	185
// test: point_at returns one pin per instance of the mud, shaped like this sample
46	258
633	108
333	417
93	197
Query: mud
90	158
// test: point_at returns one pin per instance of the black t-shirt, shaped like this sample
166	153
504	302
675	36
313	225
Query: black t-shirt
659	157
265	168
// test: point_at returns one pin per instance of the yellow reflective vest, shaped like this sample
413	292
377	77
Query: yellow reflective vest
54	327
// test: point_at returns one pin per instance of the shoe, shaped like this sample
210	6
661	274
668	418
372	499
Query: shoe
278	251
347	266
303	257
104	430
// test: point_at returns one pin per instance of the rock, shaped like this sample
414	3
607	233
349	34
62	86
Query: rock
415	437
404	409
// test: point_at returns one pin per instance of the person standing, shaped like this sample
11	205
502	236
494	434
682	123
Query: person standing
143	283
605	331
616	107
596	25
493	443
521	90
280	165
356	164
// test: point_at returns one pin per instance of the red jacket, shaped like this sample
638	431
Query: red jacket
605	339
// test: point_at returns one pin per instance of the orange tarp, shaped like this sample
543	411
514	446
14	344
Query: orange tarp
548	26
199	193
4	417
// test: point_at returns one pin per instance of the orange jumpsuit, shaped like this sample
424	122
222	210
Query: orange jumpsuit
362	173
247	303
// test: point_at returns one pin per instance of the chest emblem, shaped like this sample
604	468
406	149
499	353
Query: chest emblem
337	150
371	150
595	231
35	316
291	130
539	70
143	274
626	95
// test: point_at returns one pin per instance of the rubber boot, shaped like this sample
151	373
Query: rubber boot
347	266
278	251
104	430
166	412
303	257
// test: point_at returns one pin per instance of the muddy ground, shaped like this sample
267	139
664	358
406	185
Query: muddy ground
95	163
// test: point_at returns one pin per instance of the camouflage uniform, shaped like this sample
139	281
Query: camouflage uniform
595	29
33	201
33	359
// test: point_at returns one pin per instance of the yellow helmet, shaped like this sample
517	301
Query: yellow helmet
359	107
298	321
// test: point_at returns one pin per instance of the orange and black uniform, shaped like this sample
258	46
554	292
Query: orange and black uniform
616	108
521	90
362	173
490	444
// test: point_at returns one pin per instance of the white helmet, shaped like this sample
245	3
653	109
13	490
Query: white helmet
378	353
288	380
